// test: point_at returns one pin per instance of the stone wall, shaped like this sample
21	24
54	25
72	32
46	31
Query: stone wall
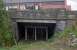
60	25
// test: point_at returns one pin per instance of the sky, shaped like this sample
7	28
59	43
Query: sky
73	4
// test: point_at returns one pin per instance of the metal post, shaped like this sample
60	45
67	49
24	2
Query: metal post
35	34
25	33
46	33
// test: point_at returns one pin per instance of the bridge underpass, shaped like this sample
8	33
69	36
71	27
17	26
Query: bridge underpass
33	30
36	31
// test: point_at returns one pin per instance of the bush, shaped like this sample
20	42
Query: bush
6	38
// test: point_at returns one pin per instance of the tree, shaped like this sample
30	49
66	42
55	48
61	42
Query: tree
5	27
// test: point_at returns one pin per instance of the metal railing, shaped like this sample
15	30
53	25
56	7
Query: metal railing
42	14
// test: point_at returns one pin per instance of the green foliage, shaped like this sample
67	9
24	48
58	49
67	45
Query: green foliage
74	30
65	33
66	14
5	27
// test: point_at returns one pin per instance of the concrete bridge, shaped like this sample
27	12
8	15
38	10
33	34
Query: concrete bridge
39	25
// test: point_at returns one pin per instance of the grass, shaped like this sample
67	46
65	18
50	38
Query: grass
40	45
55	43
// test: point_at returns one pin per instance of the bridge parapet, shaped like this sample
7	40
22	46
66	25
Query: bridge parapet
42	14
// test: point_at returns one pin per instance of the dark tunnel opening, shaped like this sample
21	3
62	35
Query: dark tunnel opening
36	31
21	31
51	29
30	33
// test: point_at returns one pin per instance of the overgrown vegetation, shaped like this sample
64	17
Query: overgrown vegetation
5	27
6	37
